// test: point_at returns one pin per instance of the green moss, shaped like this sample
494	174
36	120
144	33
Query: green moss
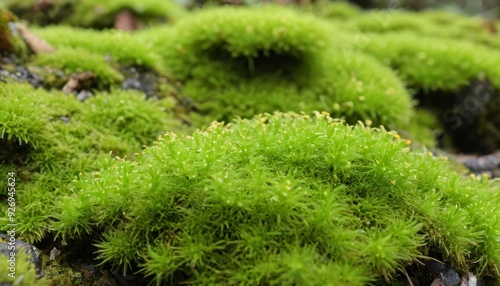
339	10
231	69
286	200
449	74
40	13
122	47
25	273
433	64
100	14
349	85
48	139
79	60
429	23
241	33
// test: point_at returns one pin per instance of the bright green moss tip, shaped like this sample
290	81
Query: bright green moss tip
48	139
286	200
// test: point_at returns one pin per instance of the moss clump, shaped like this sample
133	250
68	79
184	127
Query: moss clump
339	10
434	64
121	47
78	60
286	200
25	272
49	138
248	61
459	79
429	23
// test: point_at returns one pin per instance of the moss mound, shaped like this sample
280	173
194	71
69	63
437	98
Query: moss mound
24	266
460	80
121	47
434	64
47	139
432	23
338	10
287	199
241	32
249	61
100	14
282	199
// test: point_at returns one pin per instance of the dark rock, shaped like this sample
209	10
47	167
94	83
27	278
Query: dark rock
64	118
483	163
446	273
54	253
83	95
11	68
29	249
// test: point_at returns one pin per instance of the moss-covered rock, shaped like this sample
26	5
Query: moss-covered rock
10	40
433	64
248	61
284	199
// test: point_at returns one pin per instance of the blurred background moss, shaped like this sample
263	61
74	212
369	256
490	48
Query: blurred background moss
485	8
